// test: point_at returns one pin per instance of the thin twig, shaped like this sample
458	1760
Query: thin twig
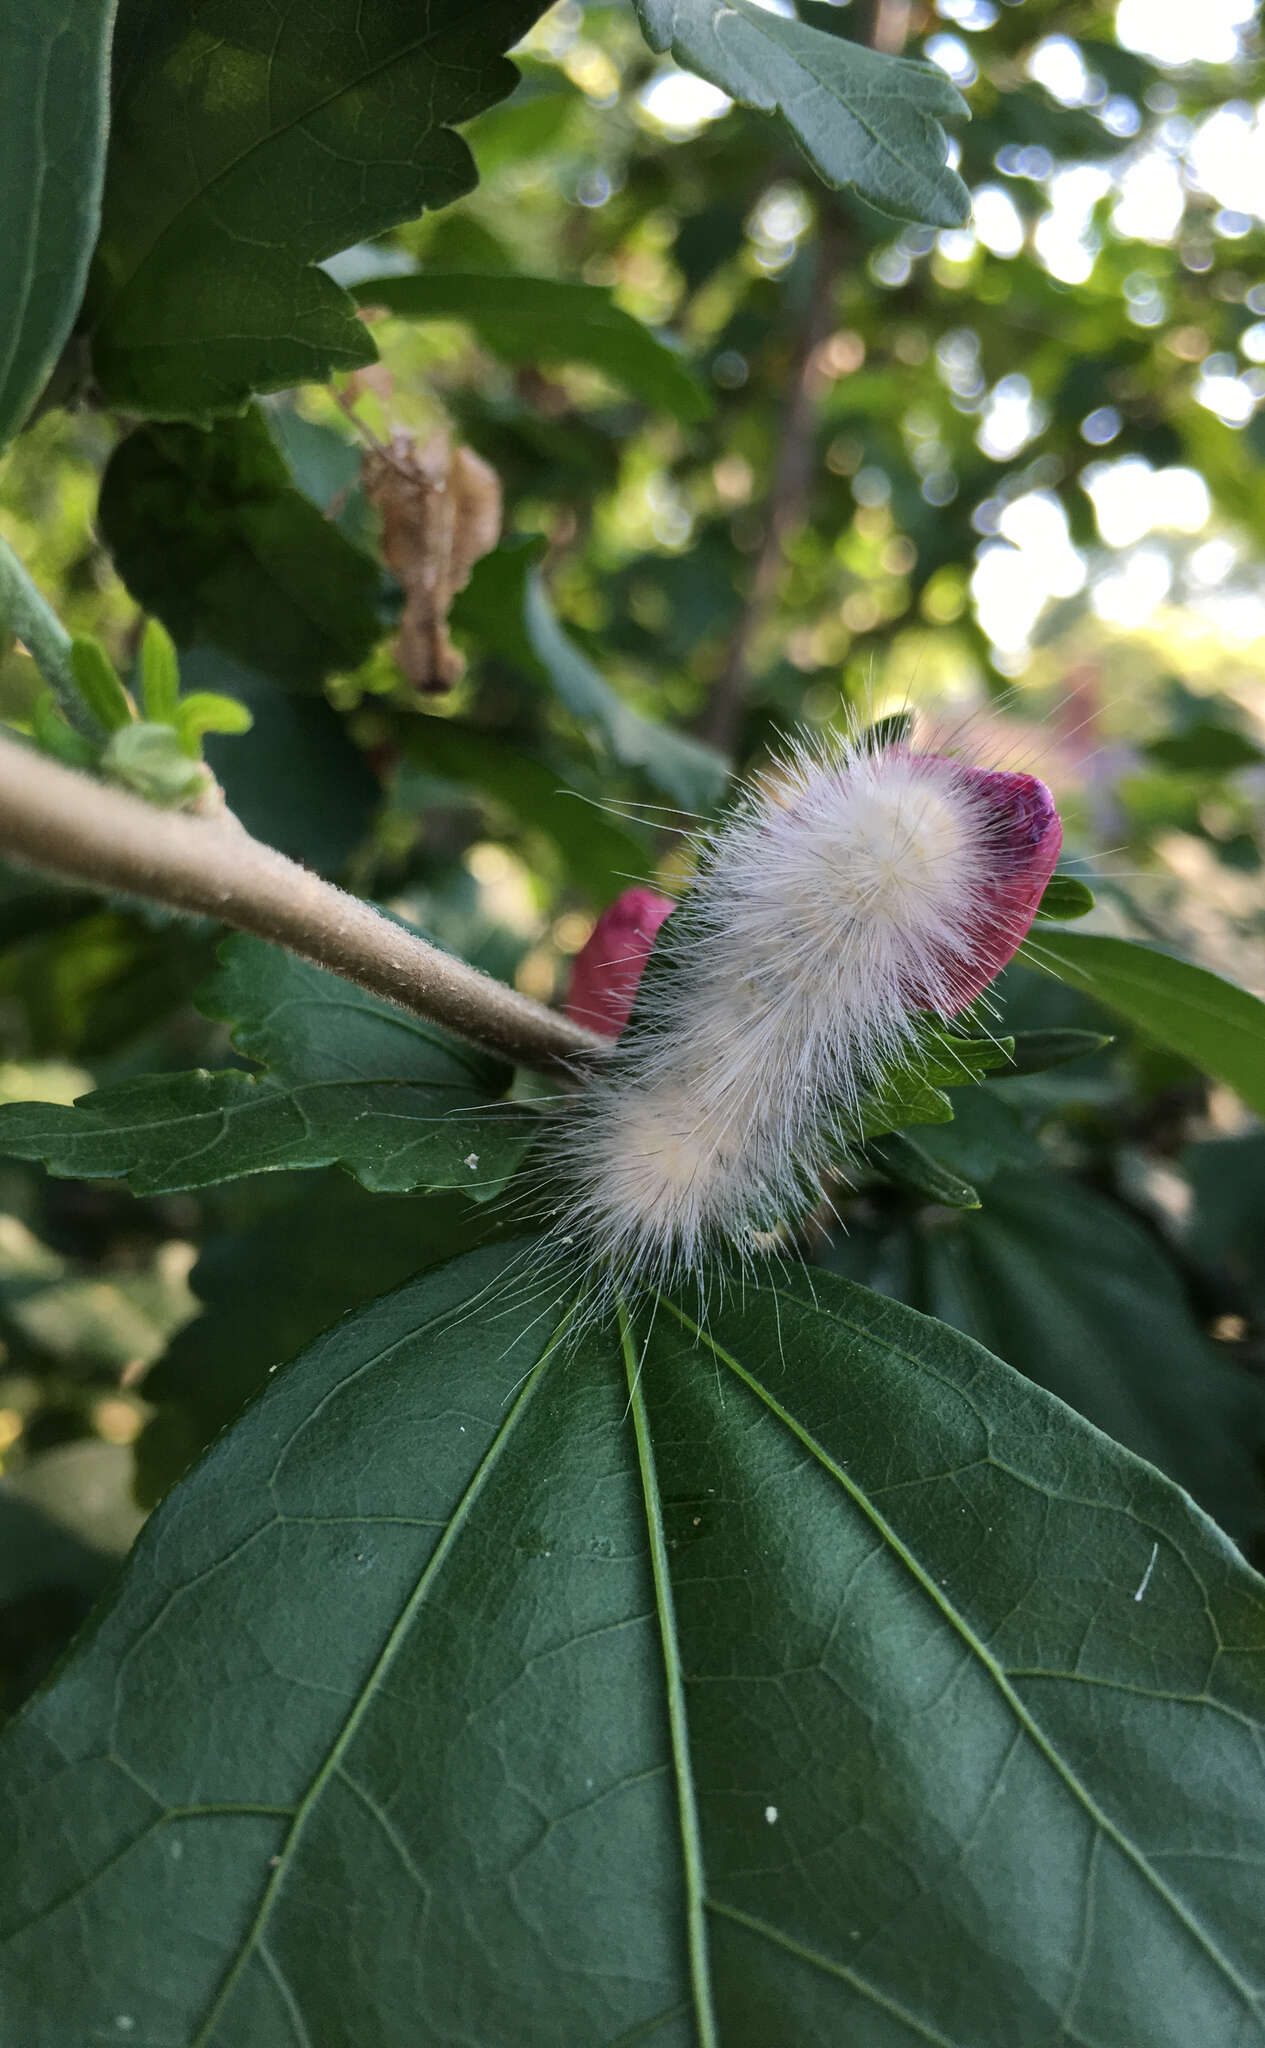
883	24
75	828
24	612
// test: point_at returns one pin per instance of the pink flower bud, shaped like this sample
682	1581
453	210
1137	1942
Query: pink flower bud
608	966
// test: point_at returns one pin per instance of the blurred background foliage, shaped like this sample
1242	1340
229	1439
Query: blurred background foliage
1012	474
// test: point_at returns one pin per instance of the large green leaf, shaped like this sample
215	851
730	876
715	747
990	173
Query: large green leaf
297	1254
1209	1021
247	145
1069	1288
53	94
547	320
817	1681
208	531
48	1580
861	118
348	1080
504	608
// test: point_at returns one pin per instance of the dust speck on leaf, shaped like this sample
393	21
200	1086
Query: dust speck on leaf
1146	1576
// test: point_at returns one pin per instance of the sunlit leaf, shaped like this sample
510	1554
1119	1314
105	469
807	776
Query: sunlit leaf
862	118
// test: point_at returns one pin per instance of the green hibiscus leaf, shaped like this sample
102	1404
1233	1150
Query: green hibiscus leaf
298	1253
1035	1052
903	1160
814	1679
301	784
1217	1026
1071	1289
1065	898
505	609
549	320
208	530
53	93
246	146
347	1079
538	796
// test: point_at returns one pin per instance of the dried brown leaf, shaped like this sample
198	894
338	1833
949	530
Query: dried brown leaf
440	509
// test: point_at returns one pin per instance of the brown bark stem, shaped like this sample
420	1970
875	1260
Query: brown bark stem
788	492
76	829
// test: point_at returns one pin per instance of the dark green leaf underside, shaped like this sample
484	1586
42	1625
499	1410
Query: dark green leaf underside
1071	1290
295	1261
246	145
835	1685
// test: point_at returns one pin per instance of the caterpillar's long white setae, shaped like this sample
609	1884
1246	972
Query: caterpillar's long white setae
853	888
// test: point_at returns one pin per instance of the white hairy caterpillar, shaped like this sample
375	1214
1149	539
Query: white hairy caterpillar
854	889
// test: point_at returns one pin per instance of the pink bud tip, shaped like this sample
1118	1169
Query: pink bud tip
608	966
1024	834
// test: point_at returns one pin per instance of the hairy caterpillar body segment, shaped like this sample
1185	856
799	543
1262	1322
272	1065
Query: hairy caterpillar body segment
851	891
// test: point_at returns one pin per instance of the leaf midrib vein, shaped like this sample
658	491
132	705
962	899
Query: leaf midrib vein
687	1809
962	1628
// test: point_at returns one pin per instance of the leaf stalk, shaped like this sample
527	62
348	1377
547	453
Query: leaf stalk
24	611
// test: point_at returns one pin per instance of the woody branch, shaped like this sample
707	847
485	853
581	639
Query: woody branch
77	829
